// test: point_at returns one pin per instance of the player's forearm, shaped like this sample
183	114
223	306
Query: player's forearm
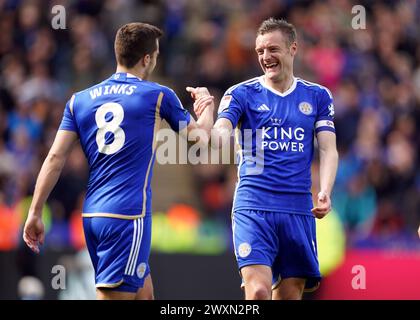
328	169
221	134
220	137
47	178
206	120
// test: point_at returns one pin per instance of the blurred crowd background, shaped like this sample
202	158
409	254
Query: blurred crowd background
373	73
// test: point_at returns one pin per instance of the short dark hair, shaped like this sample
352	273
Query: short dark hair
282	25
135	40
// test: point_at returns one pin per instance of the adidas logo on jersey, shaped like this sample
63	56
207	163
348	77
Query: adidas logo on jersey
263	107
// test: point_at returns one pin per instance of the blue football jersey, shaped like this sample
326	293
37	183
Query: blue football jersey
117	121
276	131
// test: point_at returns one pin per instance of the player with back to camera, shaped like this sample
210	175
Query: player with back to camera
116	122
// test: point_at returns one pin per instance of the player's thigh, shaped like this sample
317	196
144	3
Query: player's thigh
146	293
107	294
256	275
257	282
289	289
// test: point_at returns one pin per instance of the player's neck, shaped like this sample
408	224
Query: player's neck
282	85
134	71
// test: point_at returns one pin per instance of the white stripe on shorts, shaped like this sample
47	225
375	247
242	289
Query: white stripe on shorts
133	245
137	249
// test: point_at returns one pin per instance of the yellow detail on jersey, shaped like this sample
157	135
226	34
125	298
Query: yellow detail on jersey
155	130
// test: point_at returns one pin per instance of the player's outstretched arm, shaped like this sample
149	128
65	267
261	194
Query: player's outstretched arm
204	109
33	232
328	157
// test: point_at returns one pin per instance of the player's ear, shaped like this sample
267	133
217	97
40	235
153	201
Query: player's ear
293	48
146	60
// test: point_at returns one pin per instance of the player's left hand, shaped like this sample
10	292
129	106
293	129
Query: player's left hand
198	92
323	205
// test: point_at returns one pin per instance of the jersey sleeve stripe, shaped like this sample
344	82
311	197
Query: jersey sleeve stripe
71	104
325	129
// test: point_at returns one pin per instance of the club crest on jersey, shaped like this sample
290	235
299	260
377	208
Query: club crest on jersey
244	249
275	121
141	269
305	108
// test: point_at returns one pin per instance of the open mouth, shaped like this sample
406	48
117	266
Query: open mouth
270	66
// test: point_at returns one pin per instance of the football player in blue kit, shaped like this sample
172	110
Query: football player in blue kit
116	122
273	219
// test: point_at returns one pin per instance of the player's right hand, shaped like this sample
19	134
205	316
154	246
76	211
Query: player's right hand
198	92
33	232
202	103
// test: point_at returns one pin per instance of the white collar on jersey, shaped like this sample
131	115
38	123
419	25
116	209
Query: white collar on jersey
281	94
129	75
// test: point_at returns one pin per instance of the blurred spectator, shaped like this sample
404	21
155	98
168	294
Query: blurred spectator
30	288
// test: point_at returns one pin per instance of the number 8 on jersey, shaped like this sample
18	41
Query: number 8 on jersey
112	126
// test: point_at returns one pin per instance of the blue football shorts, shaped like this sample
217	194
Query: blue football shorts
119	250
284	242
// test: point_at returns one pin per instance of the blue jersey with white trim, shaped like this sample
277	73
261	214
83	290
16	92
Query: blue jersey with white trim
117	121
282	127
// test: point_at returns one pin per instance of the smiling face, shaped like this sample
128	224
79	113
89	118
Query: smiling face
275	55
